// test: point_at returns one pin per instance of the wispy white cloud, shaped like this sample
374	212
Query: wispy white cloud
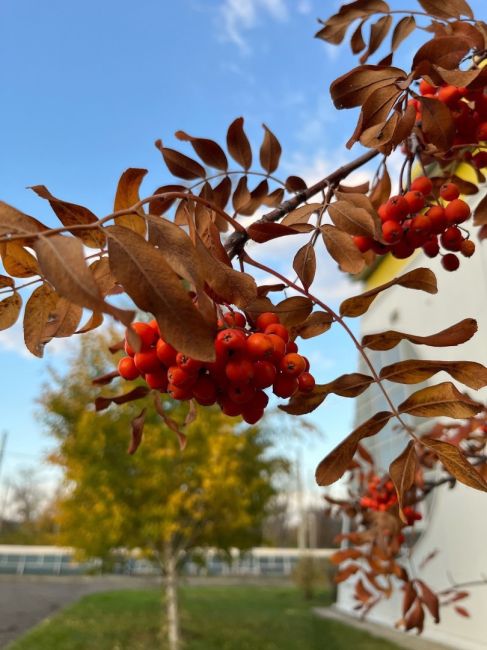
239	16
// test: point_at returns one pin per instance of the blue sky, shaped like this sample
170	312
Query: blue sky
87	88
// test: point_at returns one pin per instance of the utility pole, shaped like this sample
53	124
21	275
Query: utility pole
3	445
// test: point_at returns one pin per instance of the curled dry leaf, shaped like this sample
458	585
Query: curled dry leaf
102	403
62	263
238	144
270	151
14	222
430	599
442	399
421	279
317	323
209	151
294	311
295	184
170	423
349	385
94	321
39	310
18	262
154	287
179	164
345	554
71	214
455	462
409	597
161	205
301	214
5	281
345	573
9	310
480	214
64	320
354	87
304	264
352	219
446	9
437	123
402	30
126	196
413	371
402	471
342	248
378	32
382	190
454	335
104	380
335	27
266	231
137	431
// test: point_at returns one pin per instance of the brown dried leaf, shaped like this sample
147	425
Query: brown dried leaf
274	199
317	323
154	287
337	25
64	320
409	597
170	423
95	320
301	214
446	51
378	32
159	206
402	471
402	30
104	380
404	125
181	165
270	151
39	309
137	431
454	335
18	262
9	310
353	88
62	262
349	385
462	611
103	277
294	311
413	371
430	599
14	222
241	196
342	249
304	264
295	184
208	150
480	214
238	144
335	464
353	220
345	554
266	231
439	400
357	42
447	8
422	279
455	462
102	403
437	123
382	190
70	214
5	281
415	617
345	573
128	195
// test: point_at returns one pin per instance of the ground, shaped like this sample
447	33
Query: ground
227	618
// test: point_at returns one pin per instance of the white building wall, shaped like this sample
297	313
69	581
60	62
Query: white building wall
456	522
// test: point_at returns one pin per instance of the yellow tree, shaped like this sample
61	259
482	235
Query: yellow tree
215	493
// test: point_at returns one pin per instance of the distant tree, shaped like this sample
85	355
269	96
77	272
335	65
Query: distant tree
161	500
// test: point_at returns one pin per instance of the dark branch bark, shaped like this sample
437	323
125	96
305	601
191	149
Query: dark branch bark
235	243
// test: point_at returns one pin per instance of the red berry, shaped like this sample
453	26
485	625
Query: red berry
204	391
229	342
449	95
147	361
155	327
260	400
306	382
189	365
457	211
480	159
241	393
422	184
450	262
279	330
482	131
128	349
264	374
467	248
279	347
421	224
291	346
146	334
363	243
252	414
178	377
426	88
179	392
285	386
239	370
266	319
437	217
235	319
396	208
157	380
431	248
391	231
379	248
415	200
293	364
402	250
259	346
452	239
166	353
127	368
230	408
449	191
382	212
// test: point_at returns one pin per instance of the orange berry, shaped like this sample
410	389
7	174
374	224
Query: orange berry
127	368
449	95
279	330
264	374
241	393
259	346
176	376
422	184
266	319
467	248
426	88
285	386
449	191
166	353
146	334
437	217
235	319
279	347
147	361
204	391
179	392
293	364
457	211
397	208
239	370
229	342
391	231
306	382
189	365
157	380
362	242
415	200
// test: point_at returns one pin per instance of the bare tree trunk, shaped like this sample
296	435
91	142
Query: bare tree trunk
172	610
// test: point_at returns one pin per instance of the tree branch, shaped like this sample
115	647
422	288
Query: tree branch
235	243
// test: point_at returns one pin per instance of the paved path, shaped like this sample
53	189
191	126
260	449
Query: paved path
25	601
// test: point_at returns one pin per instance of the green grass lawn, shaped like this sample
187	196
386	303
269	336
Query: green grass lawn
213	618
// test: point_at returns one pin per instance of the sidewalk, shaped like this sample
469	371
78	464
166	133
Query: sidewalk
401	639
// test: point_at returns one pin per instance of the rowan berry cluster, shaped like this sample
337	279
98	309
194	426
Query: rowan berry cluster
248	360
469	112
412	220
381	496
